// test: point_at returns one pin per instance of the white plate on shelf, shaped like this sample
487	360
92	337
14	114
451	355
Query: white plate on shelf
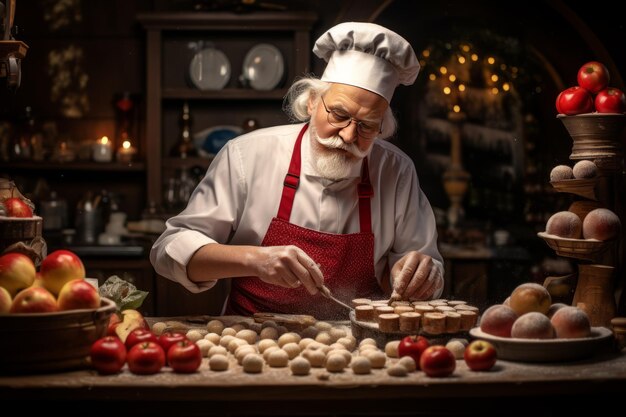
547	350
263	67
209	141
209	69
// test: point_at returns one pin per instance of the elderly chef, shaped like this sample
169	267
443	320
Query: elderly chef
286	209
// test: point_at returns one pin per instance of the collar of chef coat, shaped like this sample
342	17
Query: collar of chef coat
310	173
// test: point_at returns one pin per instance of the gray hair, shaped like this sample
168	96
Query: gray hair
309	87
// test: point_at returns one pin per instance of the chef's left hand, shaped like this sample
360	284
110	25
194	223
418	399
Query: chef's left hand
415	276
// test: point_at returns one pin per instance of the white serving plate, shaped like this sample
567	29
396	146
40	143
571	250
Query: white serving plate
550	350
263	67
209	69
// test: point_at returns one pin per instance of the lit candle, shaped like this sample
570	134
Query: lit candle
103	150
126	152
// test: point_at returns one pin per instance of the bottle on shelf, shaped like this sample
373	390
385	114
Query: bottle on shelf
184	147
27	143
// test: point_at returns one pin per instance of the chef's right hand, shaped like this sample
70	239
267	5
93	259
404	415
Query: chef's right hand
289	267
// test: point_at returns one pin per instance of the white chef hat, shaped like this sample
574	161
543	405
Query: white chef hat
367	55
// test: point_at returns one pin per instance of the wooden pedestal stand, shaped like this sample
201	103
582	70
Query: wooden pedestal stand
455	178
596	137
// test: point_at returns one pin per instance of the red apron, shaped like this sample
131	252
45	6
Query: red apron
346	260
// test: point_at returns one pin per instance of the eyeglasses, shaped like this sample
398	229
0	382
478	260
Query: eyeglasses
366	130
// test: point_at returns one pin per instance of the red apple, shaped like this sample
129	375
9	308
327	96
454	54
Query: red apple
437	361
169	339
77	294
108	355
146	358
413	346
480	355
34	300
17	271
58	268
574	100
184	357
131	320
593	77
5	301
139	336
16	207
610	100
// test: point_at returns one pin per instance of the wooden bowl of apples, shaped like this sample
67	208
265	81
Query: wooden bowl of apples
49	342
48	319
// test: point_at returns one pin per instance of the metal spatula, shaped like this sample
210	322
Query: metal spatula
326	293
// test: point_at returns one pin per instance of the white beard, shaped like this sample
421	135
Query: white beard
329	161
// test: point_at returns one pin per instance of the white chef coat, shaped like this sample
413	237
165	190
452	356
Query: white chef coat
240	193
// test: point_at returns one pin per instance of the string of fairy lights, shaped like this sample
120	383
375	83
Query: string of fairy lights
456	68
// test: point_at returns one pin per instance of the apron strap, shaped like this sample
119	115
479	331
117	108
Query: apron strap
292	179
365	191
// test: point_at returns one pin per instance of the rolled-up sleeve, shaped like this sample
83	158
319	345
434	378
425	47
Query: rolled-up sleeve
210	217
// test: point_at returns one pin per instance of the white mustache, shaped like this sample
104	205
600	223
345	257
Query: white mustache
335	142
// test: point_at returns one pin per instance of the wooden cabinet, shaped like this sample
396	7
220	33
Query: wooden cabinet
172	41
170	48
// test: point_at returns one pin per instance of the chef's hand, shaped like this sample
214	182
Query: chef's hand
415	276
289	267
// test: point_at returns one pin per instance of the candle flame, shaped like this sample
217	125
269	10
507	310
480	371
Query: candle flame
126	144
104	140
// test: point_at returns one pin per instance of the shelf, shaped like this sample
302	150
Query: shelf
76	166
168	37
225	94
186	162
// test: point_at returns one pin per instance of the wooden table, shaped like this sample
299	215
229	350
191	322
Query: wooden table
510	389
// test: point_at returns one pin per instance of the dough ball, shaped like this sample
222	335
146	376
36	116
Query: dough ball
218	362
292	349
336	362
213	337
377	358
585	169
248	335
253	363
324	337
397	370
361	365
457	348
194	335
323	326
217	350
269	333
368	341
309	332
204	346
215	326
391	348
278	358
408	363
265	344
290	337
561	172
229	331
158	328
300	366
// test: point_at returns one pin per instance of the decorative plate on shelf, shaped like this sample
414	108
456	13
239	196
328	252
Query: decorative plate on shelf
209	141
547	350
263	67
209	69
